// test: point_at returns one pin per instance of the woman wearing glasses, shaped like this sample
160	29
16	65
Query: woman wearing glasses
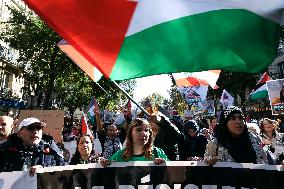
139	145
233	142
272	141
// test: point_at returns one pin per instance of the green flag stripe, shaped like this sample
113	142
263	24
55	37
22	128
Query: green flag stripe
234	39
259	94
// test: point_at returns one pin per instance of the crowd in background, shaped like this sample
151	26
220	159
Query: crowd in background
155	138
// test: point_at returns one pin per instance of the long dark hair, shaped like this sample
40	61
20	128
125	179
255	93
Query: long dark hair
147	152
77	155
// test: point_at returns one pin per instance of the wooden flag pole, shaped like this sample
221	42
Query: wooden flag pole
130	98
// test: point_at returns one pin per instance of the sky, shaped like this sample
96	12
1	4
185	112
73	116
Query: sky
148	85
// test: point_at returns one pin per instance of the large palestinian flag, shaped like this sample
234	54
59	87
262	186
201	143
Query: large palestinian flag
130	39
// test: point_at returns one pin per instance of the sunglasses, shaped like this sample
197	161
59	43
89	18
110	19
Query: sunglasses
33	127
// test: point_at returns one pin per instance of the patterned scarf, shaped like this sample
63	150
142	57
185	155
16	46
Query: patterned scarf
111	146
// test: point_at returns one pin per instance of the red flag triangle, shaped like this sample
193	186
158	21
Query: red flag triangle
97	29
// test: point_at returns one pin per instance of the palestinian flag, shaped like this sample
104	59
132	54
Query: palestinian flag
265	77
93	105
130	39
80	60
186	79
261	92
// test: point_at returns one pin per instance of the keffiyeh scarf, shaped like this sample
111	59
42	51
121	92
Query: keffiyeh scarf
111	146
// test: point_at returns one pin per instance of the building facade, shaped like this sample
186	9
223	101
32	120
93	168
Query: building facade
11	77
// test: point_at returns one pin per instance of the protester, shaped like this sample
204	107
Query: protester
213	123
253	127
273	142
205	132
166	135
192	145
26	148
6	125
66	155
178	122
108	138
233	142
139	145
84	152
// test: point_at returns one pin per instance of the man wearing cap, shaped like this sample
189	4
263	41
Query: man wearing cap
6	124
26	148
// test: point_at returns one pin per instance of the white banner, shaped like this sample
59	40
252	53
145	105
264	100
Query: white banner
17	180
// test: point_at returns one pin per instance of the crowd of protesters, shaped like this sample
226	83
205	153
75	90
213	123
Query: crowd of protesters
142	138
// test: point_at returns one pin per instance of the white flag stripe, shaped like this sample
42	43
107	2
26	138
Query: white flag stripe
262	88
149	13
210	76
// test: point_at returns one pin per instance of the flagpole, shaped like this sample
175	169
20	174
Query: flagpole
102	88
130	98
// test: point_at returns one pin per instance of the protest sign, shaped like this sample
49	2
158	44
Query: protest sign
276	95
54	120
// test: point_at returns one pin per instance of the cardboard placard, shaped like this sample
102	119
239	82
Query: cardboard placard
54	120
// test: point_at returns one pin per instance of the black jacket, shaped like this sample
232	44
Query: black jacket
190	147
167	138
14	156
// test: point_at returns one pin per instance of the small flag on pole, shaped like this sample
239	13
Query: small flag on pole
226	99
85	126
265	77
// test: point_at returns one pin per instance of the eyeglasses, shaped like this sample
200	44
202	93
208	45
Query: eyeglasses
33	127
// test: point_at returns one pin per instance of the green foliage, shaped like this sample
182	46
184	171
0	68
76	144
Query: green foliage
235	83
48	72
177	101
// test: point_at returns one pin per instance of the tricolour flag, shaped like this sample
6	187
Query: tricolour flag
127	39
185	79
93	106
85	127
265	77
226	99
261	92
